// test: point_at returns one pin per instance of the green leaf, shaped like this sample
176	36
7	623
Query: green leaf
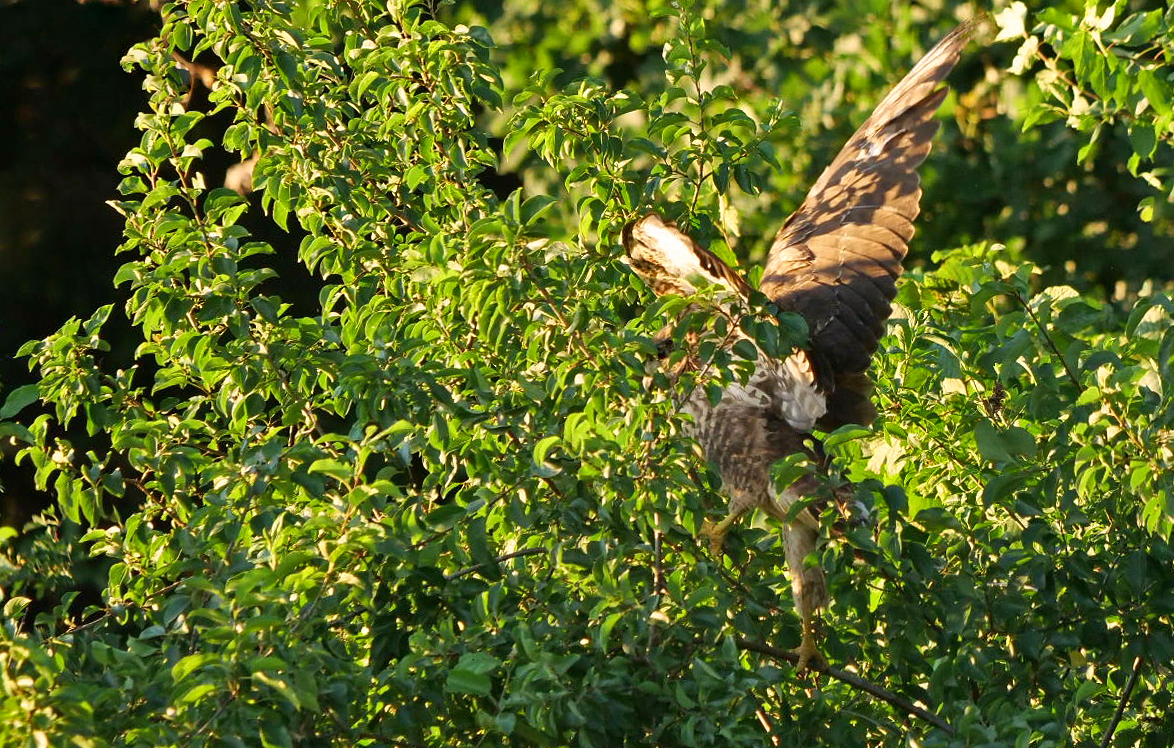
281	686
845	434
1156	92
1020	442
189	664
746	350
336	469
364	81
198	691
786	471
990	442
604	633
479	662
18	399
535	207
14	607
541	451
1002	487
1143	139
444	517
997	445
467	682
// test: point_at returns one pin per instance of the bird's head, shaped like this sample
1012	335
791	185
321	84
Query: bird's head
672	263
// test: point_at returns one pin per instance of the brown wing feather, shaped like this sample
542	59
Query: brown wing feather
837	259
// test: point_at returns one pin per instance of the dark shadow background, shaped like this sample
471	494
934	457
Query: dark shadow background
67	112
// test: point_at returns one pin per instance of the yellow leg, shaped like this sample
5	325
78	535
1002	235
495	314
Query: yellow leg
810	590
809	654
715	533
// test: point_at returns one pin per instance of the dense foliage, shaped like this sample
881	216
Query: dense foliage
450	504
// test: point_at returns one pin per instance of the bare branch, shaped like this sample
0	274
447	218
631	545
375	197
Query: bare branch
499	559
852	680
1121	704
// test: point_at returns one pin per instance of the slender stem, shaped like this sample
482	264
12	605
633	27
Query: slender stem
499	559
658	553
1129	686
127	606
852	680
1110	405
1048	339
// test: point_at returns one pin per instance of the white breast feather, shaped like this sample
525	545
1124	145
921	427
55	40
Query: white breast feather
801	403
787	386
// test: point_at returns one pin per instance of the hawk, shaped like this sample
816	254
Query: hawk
835	262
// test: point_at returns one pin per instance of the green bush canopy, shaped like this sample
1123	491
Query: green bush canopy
444	499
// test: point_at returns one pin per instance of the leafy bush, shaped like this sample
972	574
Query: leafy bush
450	505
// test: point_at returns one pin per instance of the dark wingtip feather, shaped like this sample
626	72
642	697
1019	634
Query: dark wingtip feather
871	185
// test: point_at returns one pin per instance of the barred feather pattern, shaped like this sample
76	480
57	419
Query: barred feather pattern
742	443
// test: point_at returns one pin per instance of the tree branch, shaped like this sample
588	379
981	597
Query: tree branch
499	559
1121	704
852	680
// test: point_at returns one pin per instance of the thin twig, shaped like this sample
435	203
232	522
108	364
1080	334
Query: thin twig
852	680
1121	704
764	720
1048	339
658	585
658	552
499	559
123	608
1109	404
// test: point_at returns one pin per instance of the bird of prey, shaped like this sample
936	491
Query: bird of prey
835	262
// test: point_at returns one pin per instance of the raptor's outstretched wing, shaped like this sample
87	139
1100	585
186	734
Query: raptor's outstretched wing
837	258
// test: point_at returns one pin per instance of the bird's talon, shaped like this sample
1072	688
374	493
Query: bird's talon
810	658
715	535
